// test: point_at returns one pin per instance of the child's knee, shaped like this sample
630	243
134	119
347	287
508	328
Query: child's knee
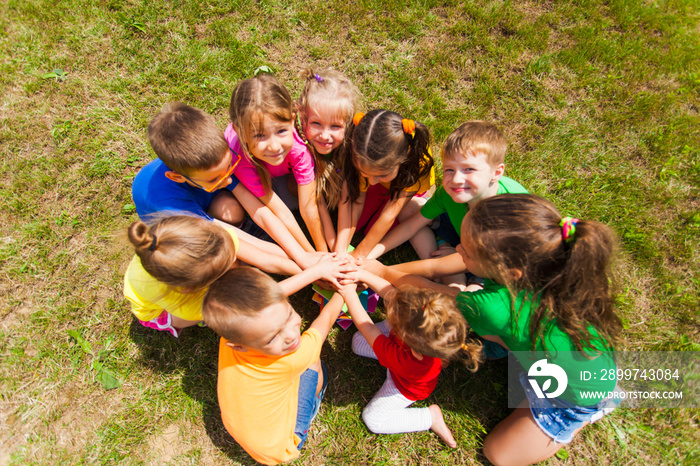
373	421
494	452
226	208
359	344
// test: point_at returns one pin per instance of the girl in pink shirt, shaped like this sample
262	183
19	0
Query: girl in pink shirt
262	132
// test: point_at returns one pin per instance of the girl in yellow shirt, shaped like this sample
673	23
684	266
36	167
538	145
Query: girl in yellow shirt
176	260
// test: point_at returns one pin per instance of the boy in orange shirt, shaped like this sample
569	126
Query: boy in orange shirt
271	379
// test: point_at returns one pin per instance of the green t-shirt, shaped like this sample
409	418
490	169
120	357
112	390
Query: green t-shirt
442	202
488	312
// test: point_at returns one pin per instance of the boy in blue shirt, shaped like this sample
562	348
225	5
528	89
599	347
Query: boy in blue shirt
194	173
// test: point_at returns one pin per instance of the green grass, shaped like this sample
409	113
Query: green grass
599	101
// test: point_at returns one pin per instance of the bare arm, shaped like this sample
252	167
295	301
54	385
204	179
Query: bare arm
433	268
381	226
268	221
328	269
264	260
402	233
308	206
327	223
329	314
377	283
280	209
348	215
398	277
359	315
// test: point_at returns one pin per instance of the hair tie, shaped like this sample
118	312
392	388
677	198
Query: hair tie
409	127
568	228
318	78
465	347
154	244
356	119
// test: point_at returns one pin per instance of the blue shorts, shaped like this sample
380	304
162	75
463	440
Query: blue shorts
445	231
558	418
309	403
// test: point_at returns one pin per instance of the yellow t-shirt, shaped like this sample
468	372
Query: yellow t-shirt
149	297
259	397
420	187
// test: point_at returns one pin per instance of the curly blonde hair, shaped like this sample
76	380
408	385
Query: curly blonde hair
430	323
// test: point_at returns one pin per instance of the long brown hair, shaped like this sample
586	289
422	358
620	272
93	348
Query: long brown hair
569	283
253	100
379	141
183	251
430	323
328	87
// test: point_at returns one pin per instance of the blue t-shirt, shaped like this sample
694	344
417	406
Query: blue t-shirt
154	192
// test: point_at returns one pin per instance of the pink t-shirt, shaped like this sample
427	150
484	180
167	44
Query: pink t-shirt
299	161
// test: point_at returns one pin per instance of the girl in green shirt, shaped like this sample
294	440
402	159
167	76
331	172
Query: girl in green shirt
548	292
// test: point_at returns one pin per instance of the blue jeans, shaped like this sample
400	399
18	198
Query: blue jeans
558	418
309	403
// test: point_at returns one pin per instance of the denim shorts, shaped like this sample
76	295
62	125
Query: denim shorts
558	418
309	403
445	231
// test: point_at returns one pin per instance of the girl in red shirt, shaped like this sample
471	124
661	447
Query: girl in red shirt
423	330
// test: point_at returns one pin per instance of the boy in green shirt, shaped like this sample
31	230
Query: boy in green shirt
472	165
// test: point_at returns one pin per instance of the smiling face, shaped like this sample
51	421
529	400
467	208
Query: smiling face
376	175
271	140
274	331
469	178
325	128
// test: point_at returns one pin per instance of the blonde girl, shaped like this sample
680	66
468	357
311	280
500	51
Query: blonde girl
326	106
262	132
176	260
423	330
385	176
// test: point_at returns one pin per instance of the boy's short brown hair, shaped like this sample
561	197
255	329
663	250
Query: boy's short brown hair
240	292
476	136
186	138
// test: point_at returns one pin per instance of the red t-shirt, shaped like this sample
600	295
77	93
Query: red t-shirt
415	379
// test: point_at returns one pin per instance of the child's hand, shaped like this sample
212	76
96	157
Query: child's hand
312	258
444	250
348	290
370	265
335	270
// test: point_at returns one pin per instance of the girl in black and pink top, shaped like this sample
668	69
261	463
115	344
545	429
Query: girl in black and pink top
423	330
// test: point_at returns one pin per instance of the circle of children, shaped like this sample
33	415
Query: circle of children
505	265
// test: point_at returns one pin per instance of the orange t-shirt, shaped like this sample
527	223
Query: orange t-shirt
258	397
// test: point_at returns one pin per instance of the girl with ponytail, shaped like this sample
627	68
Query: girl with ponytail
176	260
424	329
547	296
388	170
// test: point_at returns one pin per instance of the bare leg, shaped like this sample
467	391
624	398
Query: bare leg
440	428
518	440
226	208
182	323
